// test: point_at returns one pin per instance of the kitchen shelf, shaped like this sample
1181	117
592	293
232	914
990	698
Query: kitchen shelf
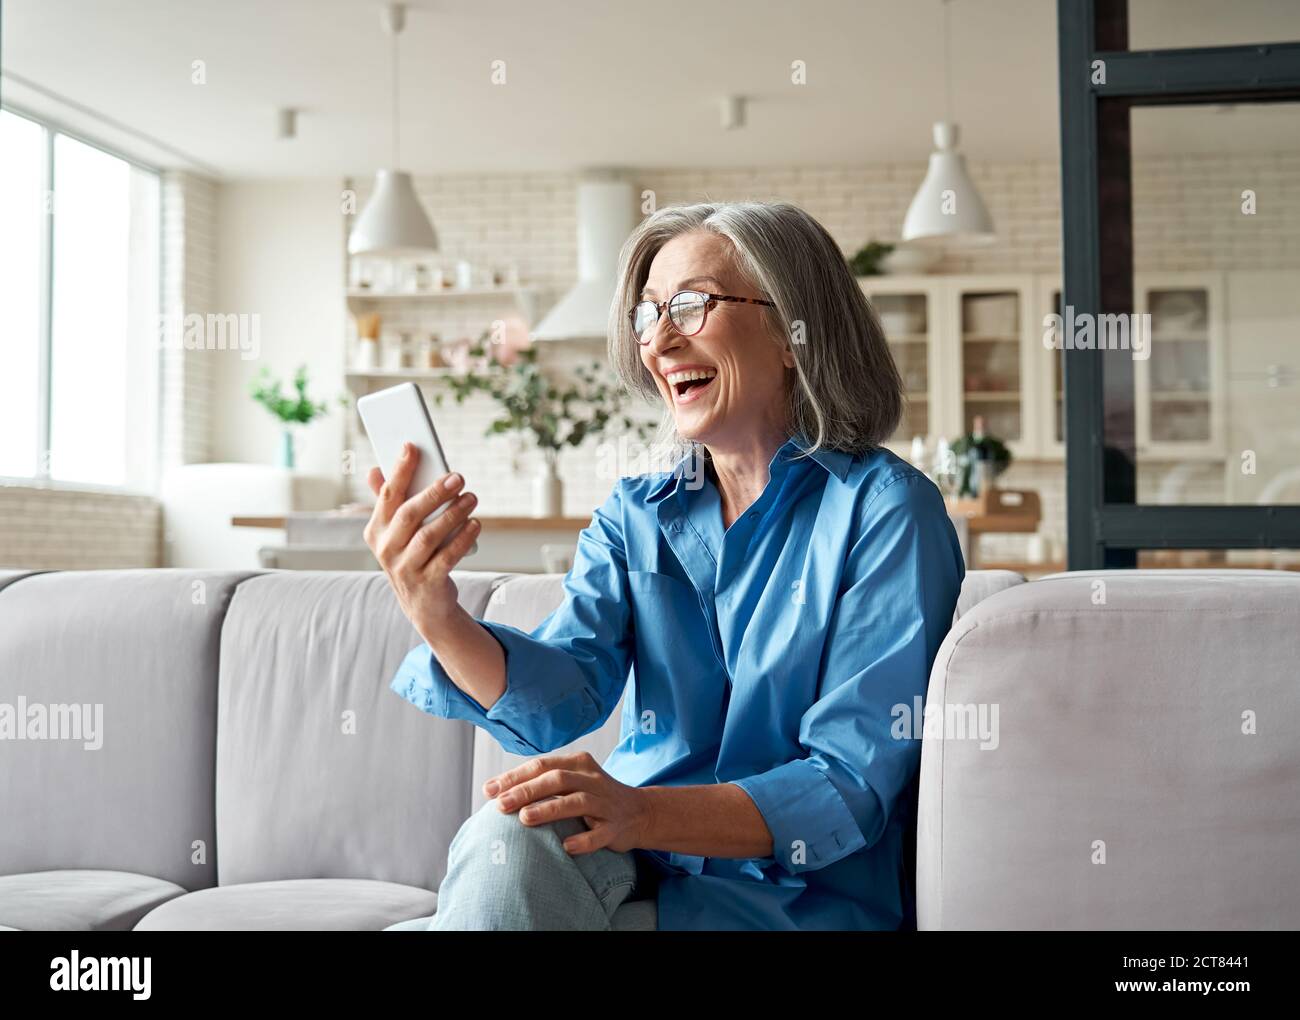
364	294
357	379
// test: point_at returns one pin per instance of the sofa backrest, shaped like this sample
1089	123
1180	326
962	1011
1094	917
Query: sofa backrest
1144	770
136	651
526	600
322	771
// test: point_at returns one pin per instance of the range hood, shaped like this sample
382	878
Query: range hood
606	216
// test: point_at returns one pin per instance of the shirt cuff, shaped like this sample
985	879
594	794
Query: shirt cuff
811	825
423	682
529	717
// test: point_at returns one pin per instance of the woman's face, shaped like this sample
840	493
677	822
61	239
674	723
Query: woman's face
745	394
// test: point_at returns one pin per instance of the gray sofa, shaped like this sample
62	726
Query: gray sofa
252	770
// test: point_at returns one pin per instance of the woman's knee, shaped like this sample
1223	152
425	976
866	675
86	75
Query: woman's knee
492	834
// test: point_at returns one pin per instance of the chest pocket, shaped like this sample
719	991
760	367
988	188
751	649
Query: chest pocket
678	676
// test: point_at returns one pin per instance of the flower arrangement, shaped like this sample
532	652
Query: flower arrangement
534	407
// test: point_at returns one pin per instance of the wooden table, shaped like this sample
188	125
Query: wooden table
1000	511
574	524
506	543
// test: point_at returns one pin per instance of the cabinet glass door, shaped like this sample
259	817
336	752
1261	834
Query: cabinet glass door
1180	404
905	319
991	383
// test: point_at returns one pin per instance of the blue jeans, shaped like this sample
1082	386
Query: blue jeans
503	875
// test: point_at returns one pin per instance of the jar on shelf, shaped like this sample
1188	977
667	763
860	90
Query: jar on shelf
426	352
391	345
361	274
367	354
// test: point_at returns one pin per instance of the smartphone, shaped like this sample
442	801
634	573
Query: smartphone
398	415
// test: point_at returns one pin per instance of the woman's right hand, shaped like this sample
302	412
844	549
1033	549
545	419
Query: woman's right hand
417	557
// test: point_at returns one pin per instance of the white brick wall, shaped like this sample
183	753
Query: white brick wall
60	529
189	264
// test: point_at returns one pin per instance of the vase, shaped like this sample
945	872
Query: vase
548	490
286	448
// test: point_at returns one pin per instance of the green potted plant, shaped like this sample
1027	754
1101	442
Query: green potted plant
291	410
535	408
972	451
867	260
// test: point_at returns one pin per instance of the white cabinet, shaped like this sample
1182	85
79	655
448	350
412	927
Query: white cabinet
1178	390
992	353
970	345
910	311
964	347
1180	387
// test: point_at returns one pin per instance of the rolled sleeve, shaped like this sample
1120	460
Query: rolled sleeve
810	823
562	679
903	577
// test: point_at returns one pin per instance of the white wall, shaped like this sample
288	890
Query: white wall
280	256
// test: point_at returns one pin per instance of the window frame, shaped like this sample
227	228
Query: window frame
50	129
1107	528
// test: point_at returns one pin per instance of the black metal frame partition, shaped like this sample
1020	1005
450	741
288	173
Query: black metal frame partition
1104	523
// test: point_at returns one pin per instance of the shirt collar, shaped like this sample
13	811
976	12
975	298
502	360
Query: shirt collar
837	462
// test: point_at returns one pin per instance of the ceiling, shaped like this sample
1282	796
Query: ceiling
588	82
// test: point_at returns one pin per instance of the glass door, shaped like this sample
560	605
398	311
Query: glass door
1179	387
908	309
995	365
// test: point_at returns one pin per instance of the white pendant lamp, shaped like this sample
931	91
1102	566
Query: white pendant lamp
393	223
947	208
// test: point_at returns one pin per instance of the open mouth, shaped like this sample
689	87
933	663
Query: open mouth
688	386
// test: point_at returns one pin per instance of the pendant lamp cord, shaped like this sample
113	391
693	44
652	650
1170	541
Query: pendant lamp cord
947	62
396	137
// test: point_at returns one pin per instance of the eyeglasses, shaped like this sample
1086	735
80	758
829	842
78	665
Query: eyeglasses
687	311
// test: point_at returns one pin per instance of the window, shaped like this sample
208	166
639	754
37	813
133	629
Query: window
80	285
22	212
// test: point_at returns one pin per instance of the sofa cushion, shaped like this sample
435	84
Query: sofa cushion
137	648
323	904
525	600
80	900
978	585
321	772
8	577
1144	770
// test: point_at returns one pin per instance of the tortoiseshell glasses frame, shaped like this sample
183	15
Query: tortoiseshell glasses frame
688	310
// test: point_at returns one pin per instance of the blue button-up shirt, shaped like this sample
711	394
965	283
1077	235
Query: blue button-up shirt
779	654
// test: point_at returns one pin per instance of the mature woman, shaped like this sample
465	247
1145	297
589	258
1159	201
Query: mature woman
778	598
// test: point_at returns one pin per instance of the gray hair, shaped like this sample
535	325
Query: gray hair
847	394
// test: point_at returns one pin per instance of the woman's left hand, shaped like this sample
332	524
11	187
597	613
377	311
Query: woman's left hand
554	786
